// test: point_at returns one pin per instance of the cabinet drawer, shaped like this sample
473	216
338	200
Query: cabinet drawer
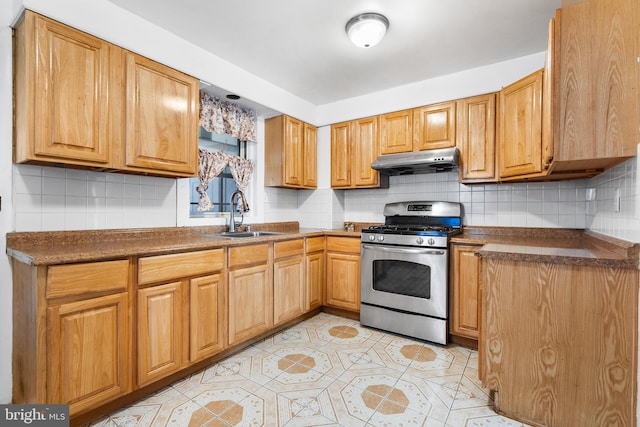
176	266
315	244
288	248
247	255
343	244
92	277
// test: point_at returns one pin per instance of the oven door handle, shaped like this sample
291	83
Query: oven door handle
404	250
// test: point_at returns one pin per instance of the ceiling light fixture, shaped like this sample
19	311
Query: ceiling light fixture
367	29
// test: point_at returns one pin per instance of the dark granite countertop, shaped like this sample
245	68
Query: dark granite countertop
564	246
64	247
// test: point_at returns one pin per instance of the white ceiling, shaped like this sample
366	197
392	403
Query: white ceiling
301	45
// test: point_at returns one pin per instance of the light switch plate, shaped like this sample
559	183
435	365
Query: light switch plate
616	200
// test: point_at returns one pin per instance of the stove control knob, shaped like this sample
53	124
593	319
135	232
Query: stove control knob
372	237
431	242
419	240
380	238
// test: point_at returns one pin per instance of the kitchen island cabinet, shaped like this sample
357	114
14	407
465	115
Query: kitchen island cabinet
343	273
558	336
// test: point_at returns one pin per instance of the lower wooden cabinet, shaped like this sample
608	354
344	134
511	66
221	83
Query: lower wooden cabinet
250	292
89	354
288	280
464	291
343	273
160	331
314	273
180	311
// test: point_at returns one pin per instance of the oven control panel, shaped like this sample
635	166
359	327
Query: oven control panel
404	240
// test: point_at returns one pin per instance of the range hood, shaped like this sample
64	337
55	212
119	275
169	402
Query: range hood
428	161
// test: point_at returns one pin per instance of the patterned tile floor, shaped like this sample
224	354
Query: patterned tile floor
325	371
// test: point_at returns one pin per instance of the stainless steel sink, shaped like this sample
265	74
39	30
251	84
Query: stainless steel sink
244	234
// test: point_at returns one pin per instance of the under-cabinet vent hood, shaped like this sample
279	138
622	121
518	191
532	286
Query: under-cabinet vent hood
428	161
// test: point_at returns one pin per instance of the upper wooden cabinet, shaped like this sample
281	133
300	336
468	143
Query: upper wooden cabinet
354	146
597	103
396	132
290	153
520	127
434	126
83	102
62	94
476	138
159	117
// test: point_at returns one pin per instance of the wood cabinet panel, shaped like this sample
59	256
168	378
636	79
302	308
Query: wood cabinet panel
291	153
87	278
250	303
176	266
288	289
248	255
476	138
89	353
434	126
160	331
207	316
465	286
161	120
343	244
520	127
62	94
396	132
314	244
341	155
315	279
365	149
288	248
560	322
343	281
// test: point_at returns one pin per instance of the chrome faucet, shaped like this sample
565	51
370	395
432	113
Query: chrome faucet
232	220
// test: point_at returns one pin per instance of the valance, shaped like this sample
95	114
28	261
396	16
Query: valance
226	118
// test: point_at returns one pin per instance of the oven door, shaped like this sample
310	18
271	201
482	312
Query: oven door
405	278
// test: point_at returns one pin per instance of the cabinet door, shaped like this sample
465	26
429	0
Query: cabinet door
396	132
476	137
293	151
341	155
464	291
315	280
89	354
160	331
310	157
288	289
520	127
250	303
343	281
207	316
161	121
68	120
365	149
434	126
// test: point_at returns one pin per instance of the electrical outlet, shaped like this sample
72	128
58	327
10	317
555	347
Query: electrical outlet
616	200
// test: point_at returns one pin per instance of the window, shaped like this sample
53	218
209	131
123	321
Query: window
221	187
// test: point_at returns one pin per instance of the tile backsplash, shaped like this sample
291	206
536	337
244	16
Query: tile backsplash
47	199
554	204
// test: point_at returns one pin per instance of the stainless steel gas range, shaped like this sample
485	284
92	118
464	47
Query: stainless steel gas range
404	269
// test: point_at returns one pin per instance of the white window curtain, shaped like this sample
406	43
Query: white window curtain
224	118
